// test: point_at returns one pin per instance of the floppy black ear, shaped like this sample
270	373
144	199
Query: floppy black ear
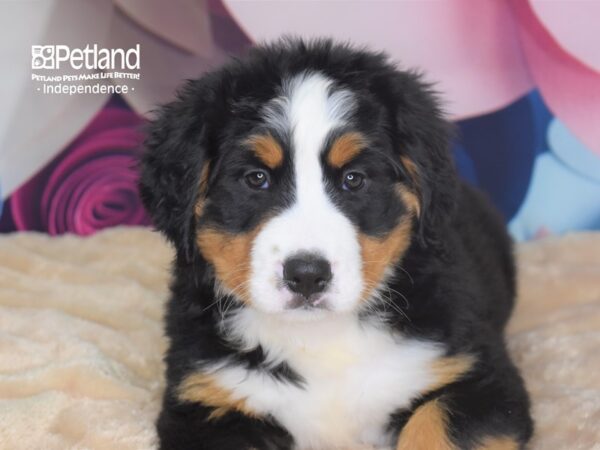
171	167
425	136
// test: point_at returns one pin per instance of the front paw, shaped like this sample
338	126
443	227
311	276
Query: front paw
426	429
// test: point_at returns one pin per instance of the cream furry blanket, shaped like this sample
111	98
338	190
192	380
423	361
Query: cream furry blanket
81	339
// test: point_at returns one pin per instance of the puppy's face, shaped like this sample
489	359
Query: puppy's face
301	189
305	210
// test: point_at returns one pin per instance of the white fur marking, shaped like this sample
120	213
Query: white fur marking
356	376
310	111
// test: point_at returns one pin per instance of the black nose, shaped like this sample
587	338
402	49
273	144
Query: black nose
306	274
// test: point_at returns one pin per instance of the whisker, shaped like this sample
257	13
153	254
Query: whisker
407	274
377	296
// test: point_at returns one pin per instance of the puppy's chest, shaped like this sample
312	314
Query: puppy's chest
353	379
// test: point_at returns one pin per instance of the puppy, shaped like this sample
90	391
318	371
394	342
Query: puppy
335	285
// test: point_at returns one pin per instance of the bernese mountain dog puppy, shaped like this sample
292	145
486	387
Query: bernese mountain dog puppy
335	285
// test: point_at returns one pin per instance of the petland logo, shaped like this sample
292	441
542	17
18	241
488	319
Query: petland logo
59	69
53	57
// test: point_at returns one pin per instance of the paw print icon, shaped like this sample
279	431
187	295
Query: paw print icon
42	56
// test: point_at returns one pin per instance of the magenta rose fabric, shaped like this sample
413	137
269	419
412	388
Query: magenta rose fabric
91	185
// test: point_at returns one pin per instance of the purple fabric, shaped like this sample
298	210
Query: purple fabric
91	185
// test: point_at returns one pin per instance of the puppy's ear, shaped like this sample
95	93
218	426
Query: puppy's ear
171	167
425	136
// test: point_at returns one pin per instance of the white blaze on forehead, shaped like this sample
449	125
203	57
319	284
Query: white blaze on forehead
313	112
308	102
308	110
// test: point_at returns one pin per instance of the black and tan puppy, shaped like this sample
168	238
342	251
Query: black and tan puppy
335	285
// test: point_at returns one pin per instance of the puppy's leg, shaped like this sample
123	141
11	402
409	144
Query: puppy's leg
490	412
427	429
190	426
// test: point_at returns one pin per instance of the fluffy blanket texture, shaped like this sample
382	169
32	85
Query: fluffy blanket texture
81	339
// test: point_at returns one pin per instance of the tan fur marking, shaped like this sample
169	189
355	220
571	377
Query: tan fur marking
345	148
426	429
230	256
410	200
413	172
380	253
203	186
449	369
410	165
501	443
199	208
267	149
202	388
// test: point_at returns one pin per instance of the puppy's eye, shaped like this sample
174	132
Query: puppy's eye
257	179
353	181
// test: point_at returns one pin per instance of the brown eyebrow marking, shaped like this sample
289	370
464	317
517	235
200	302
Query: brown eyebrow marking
267	149
345	148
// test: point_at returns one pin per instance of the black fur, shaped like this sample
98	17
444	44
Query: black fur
462	278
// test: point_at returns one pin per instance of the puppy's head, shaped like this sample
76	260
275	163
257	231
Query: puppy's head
300	175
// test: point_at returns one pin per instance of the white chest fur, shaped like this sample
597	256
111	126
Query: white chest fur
355	375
